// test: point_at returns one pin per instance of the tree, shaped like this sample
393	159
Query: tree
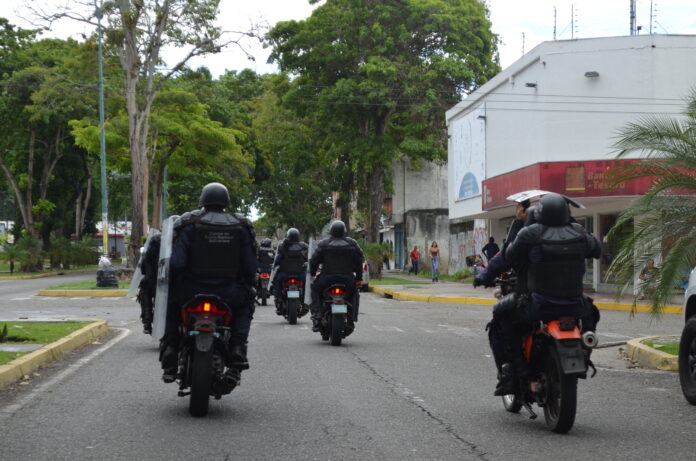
139	30
663	221
382	72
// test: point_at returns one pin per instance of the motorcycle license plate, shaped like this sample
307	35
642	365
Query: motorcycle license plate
339	309
293	294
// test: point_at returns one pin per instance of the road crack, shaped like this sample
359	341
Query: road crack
406	394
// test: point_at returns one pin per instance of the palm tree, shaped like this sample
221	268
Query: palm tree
10	253
663	221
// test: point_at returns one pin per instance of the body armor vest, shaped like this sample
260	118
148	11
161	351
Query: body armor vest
266	256
294	257
338	256
216	247
558	262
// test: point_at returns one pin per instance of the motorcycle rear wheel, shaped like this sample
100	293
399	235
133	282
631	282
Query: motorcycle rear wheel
337	326
263	299
293	308
687	361
561	396
201	378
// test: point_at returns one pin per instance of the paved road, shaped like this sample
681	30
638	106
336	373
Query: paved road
414	382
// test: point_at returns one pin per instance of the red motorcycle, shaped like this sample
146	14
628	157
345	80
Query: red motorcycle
557	355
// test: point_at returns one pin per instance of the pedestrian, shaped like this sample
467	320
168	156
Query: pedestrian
490	249
415	256
434	259
647	276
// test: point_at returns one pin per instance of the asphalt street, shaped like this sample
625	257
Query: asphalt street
414	381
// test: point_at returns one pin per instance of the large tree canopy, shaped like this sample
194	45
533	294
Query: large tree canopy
380	73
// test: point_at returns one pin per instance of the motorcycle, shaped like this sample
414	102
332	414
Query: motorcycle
557	354
340	314
262	283
205	329
290	303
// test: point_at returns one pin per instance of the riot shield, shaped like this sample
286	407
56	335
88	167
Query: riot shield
138	273
308	278
162	292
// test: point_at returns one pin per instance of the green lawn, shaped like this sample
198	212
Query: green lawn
396	281
6	357
669	348
38	332
89	285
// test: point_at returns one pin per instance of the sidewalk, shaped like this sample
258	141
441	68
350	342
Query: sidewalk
465	293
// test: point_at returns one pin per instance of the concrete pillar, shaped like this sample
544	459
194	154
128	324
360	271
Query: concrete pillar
596	263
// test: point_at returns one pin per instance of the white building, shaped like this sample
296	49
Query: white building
549	121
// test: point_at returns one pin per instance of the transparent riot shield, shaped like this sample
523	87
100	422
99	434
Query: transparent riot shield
308	278
138	273
162	292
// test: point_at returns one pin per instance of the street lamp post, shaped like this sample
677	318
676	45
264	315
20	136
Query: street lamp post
102	136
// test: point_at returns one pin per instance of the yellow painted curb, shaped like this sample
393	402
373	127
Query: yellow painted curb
94	293
414	296
24	365
650	357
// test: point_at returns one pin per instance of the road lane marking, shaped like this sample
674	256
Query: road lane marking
464	332
427	330
612	335
21	299
10	410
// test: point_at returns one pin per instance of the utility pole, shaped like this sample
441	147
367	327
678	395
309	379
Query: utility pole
102	137
651	16
522	43
633	17
554	23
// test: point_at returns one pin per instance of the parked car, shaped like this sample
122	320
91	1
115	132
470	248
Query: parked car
687	346
366	276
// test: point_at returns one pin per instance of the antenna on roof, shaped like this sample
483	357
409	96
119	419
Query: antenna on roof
522	43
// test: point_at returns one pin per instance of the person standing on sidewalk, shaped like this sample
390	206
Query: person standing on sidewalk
434	259
415	256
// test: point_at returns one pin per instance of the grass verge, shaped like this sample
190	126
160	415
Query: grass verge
5	271
38	332
7	357
89	285
668	348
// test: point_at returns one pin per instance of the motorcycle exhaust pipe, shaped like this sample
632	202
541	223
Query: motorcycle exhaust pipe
589	339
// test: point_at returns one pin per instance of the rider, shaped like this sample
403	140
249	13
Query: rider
214	252
291	261
341	260
497	264
549	258
148	285
265	255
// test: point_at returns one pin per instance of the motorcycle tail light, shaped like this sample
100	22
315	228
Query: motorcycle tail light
338	291
207	307
265	275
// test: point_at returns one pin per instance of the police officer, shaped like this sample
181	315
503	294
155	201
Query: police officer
213	252
148	285
291	261
265	255
549	258
341	260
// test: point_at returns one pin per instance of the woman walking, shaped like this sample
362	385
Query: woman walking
434	259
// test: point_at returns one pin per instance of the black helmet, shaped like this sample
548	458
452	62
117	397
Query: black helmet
338	229
553	210
293	235
266	243
532	215
214	194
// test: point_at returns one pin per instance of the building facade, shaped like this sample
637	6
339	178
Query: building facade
550	121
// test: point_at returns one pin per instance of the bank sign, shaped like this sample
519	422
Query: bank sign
575	179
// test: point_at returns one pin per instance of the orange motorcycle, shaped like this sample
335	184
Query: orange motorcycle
557	354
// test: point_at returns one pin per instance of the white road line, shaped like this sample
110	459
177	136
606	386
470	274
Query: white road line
386	328
612	335
460	331
295	327
426	330
21	299
72	368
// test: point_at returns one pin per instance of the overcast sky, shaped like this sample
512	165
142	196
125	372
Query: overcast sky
510	18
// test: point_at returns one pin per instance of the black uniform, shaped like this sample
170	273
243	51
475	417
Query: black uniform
291	261
265	256
148	285
341	260
214	253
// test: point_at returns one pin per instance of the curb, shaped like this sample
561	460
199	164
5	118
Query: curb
24	365
46	274
91	293
601	305
650	357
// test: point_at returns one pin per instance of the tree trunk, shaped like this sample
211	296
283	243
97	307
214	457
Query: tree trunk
157	197
346	189
376	199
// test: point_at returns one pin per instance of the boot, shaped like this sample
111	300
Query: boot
169	358
507	382
238	357
232	378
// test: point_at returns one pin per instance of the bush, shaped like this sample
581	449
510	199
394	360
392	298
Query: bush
30	255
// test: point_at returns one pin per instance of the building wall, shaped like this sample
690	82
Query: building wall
567	116
422	228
